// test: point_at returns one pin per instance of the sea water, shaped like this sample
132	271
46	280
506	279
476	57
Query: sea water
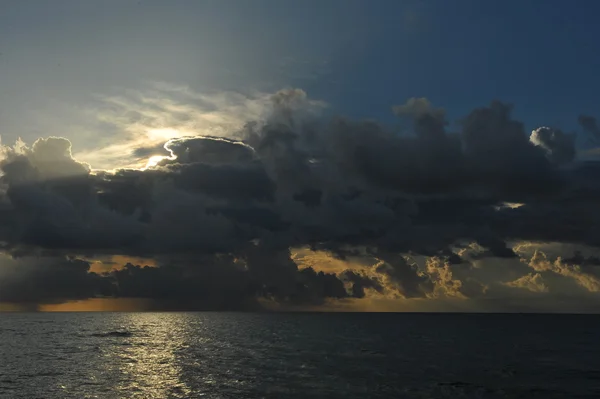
298	355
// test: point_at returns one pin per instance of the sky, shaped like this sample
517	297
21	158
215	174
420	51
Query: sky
332	155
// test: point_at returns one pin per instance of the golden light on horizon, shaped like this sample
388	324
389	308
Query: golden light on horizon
99	305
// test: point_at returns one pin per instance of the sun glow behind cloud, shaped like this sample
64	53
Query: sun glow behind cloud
155	160
235	193
163	135
136	119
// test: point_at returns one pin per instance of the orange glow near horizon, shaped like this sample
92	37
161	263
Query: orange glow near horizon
118	262
99	305
331	305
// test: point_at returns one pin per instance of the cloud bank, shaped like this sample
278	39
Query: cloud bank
454	217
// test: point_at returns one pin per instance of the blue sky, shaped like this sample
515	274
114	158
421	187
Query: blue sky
359	56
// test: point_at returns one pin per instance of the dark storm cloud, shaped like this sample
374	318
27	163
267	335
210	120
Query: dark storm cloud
406	278
429	122
202	283
495	246
360	282
590	125
296	181
226	282
559	146
230	182
48	279
500	157
209	150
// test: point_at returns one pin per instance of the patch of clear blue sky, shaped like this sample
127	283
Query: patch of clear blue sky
360	56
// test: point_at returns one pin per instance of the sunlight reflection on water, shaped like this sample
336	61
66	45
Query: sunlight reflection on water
147	360
232	355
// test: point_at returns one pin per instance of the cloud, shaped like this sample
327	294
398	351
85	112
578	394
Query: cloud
134	123
533	282
48	279
47	159
539	262
441	275
359	282
589	125
559	146
402	277
209	150
413	216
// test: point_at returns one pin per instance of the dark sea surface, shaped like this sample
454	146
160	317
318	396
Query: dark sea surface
237	355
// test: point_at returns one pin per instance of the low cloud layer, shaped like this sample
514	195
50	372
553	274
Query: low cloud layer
417	215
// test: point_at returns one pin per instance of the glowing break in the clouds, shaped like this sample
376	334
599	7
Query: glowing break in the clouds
148	119
263	203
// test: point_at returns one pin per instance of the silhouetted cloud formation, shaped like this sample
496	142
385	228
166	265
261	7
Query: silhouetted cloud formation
590	125
49	279
559	146
222	214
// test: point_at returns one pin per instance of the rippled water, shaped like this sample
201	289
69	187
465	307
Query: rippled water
233	355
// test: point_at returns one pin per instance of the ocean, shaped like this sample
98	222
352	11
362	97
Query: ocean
298	355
